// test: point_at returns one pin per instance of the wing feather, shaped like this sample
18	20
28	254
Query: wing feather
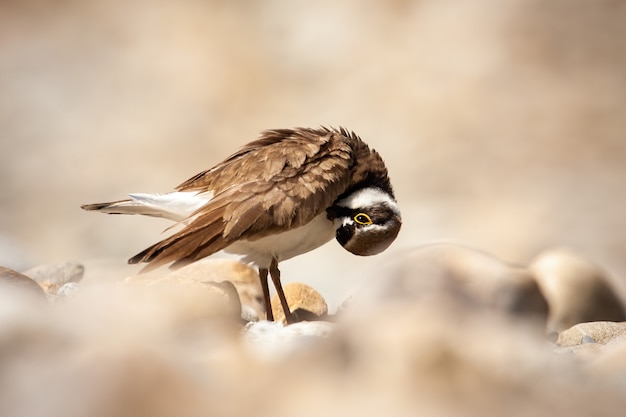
282	180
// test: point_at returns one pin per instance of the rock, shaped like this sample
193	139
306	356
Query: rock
68	289
191	300
51	277
305	303
453	355
242	276
610	362
271	340
601	332
462	275
248	314
577	290
11	280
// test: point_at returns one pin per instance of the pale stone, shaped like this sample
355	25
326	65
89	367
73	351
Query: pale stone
11	280
51	277
69	289
271	340
242	276
577	290
462	275
191	300
611	361
601	332
304	302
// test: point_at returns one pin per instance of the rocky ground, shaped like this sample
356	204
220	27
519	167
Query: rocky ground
446	330
502	125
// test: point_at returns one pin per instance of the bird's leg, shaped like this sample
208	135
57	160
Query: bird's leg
275	274
266	294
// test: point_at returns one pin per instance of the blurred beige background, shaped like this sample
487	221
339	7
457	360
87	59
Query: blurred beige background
502	122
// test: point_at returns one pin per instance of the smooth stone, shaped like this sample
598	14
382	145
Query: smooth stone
270	329
610	361
577	290
190	300
584	351
459	274
248	314
242	276
304	302
68	289
601	332
273	339
11	280
51	277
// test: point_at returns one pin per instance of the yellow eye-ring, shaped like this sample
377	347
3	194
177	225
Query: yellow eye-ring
363	218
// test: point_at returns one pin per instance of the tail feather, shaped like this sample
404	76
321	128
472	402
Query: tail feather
175	206
201	236
99	206
126	207
196	241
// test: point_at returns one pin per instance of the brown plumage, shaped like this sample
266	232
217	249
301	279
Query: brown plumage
277	183
257	189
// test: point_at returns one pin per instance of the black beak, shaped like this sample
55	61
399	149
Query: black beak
345	233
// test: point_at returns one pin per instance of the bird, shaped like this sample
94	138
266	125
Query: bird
284	194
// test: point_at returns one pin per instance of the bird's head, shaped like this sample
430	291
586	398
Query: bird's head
367	221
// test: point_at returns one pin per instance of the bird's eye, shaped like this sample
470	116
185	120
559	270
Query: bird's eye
363	218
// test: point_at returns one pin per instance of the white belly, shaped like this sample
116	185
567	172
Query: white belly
287	244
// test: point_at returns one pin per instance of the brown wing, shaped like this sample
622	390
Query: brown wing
282	180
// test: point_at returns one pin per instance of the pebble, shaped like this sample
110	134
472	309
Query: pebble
53	276
244	278
464	275
11	280
419	356
190	300
69	289
304	302
577	290
601	332
272	340
609	363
